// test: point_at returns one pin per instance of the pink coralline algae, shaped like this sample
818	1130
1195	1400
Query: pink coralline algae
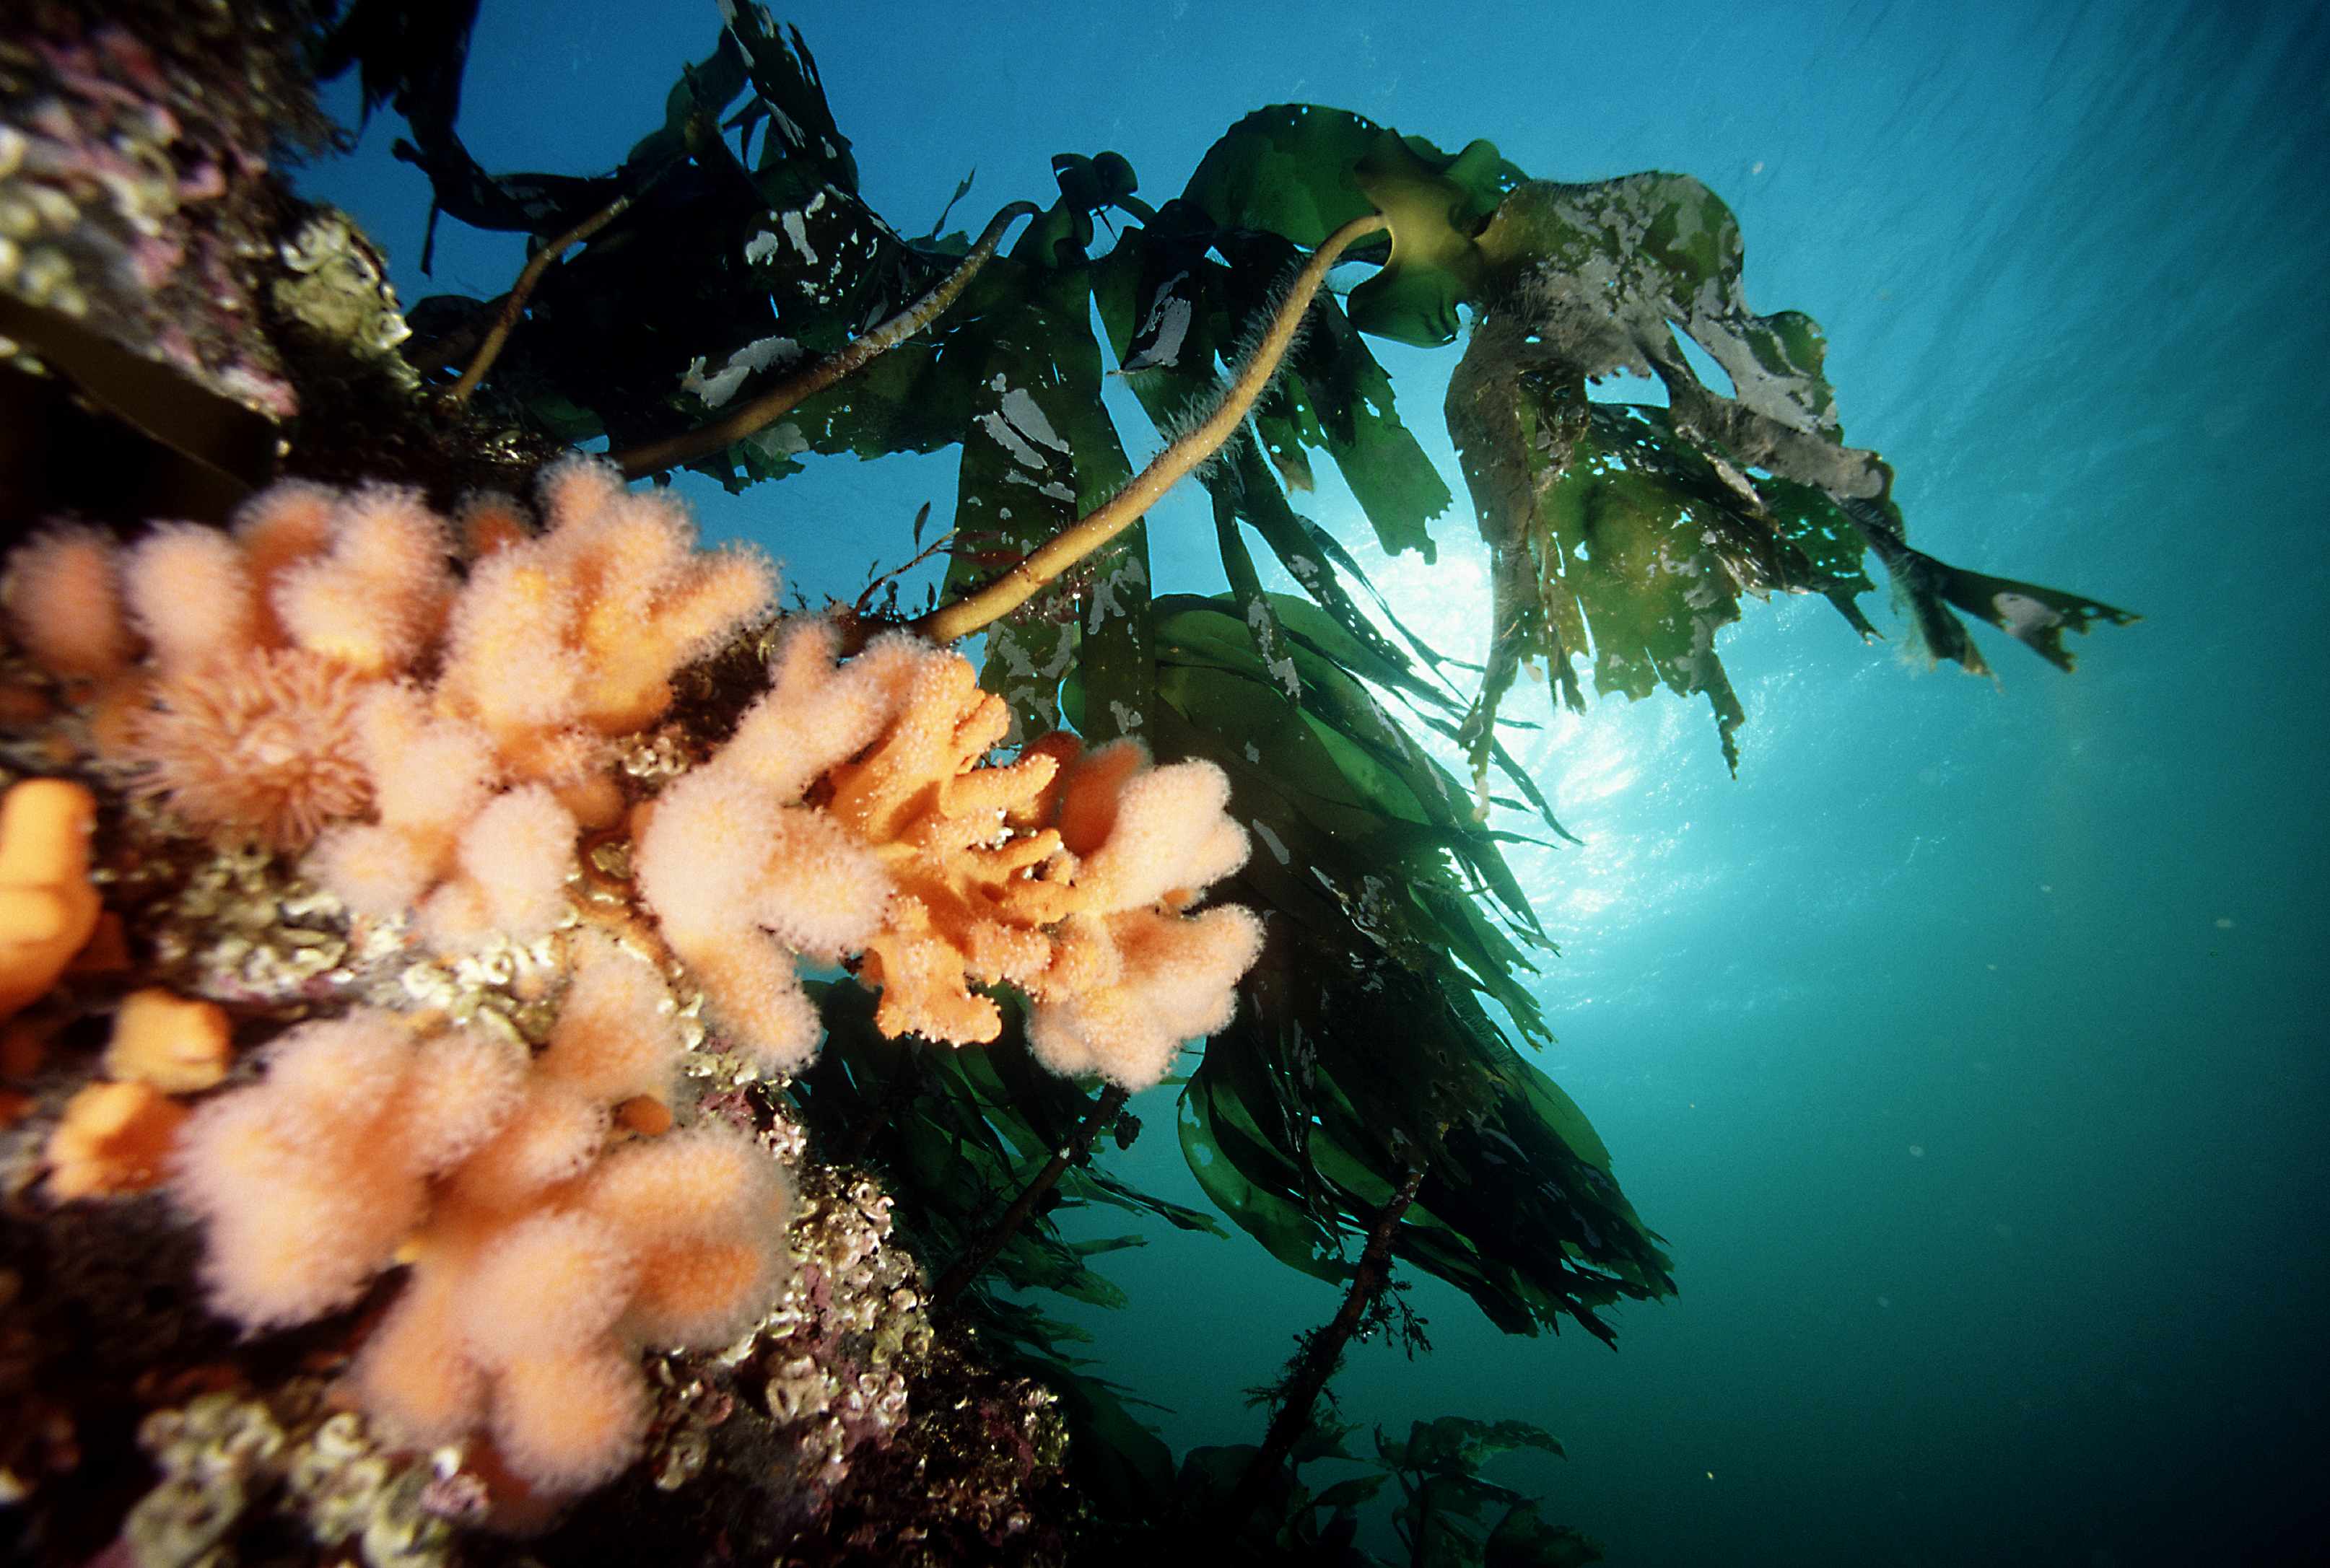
134	197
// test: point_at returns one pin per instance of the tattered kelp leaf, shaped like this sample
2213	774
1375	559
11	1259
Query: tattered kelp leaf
1438	1465
410	56
1039	451
721	279
2033	616
790	96
1455	1445
547	205
1641	527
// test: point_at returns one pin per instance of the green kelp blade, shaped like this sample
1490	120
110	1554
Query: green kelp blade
1094	1184
784	75
1288	170
1247	1180
1523	1540
1362	1042
1147	279
959	1145
1332	760
1301	171
1455	1445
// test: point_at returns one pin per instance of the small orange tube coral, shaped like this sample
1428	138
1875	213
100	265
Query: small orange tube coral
179	1044
114	1137
47	906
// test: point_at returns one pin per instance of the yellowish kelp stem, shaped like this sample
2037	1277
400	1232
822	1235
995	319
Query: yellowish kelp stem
1088	533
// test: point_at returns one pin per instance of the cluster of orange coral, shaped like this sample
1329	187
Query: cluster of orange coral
852	812
430	710
117	1133
324	659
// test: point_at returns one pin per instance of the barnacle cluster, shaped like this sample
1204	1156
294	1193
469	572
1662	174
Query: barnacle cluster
225	1456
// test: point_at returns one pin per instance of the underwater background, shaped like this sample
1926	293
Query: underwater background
1969	1048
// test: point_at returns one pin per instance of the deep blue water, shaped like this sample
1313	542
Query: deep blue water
1969	1047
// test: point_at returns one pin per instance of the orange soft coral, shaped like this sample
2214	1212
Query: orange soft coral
742	875
854	810
257	645
968	908
63	599
553	646
1134	976
1071	888
322	658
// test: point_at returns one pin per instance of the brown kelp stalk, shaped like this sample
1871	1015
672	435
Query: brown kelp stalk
1319	1358
861	351
511	305
973	1263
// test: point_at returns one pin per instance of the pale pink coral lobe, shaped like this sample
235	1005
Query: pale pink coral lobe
64	603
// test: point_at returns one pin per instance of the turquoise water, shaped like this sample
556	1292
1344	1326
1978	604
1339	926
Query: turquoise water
1969	1047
